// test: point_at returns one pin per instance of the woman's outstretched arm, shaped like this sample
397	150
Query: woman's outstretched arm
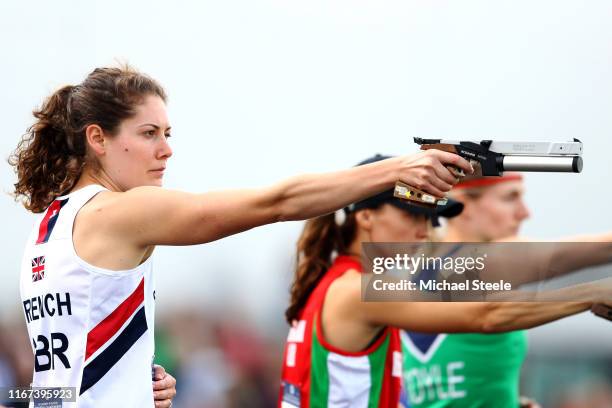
149	216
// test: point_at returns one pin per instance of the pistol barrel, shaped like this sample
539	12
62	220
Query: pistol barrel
563	164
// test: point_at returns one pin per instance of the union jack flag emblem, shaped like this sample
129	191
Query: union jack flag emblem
38	268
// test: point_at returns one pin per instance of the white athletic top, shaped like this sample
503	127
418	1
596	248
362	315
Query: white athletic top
90	328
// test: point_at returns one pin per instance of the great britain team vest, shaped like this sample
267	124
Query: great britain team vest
90	328
317	375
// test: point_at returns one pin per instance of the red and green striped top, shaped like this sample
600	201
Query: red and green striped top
318	375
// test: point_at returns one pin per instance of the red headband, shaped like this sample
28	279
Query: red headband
488	181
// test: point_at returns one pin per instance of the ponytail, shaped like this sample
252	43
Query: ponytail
319	241
46	161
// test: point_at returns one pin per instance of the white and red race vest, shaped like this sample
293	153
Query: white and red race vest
90	328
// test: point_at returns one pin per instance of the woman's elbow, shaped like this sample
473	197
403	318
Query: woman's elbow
490	326
292	200
492	319
287	207
273	205
284	210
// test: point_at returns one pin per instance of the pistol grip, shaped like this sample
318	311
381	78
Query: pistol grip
419	197
416	196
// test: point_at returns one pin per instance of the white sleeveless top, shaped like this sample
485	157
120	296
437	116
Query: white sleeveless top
90	328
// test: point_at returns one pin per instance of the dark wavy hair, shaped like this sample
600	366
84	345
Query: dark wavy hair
319	241
52	154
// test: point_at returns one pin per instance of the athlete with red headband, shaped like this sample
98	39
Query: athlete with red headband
471	370
494	209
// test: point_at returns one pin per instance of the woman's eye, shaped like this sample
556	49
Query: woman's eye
151	132
168	135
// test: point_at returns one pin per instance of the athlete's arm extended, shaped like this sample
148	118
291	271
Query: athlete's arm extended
546	260
452	317
469	317
520	260
155	216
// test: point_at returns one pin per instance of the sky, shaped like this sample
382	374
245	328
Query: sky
263	90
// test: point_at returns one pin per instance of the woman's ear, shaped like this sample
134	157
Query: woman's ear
364	219
95	139
472	200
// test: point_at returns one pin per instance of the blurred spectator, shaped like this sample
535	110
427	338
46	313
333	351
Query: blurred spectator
7	373
590	395
256	364
16	360
203	378
221	361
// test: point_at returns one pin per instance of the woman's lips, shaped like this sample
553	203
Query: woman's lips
159	172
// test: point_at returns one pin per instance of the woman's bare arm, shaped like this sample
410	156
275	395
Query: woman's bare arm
149	216
452	317
520	261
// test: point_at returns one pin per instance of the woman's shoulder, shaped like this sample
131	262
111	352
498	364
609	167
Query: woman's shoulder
346	287
121	200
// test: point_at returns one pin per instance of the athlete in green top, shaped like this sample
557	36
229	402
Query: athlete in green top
472	370
463	370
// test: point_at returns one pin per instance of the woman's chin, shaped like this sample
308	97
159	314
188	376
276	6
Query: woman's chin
156	182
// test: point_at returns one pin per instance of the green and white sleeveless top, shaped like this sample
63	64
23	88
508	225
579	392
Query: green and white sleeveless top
462	370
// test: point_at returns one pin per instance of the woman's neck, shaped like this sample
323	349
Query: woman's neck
354	249
88	177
